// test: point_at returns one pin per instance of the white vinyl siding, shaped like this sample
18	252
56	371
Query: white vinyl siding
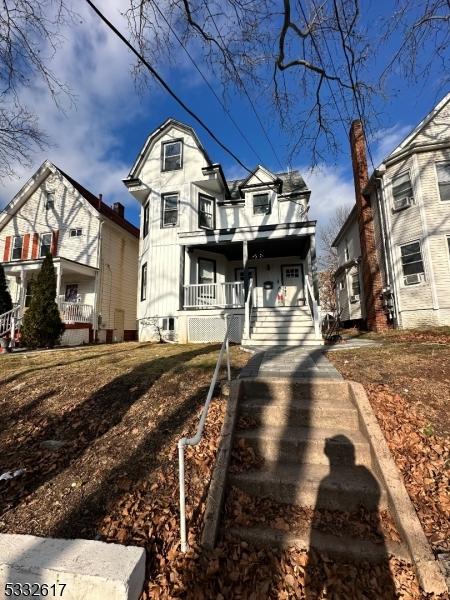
443	175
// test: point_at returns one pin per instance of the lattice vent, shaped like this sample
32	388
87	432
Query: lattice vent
212	329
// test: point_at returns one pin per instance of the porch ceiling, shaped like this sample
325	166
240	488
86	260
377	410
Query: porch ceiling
264	248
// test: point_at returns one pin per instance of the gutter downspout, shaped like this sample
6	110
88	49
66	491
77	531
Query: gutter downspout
387	254
98	276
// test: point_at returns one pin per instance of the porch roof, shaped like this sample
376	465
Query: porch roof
248	233
68	266
259	248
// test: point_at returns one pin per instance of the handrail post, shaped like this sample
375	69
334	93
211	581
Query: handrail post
227	347
184	545
13	332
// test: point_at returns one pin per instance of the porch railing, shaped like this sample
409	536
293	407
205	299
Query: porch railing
9	321
75	312
221	295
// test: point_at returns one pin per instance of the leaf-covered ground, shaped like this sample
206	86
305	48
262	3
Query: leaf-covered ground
408	383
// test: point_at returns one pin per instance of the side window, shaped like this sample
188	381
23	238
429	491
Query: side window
145	220
46	244
402	191
443	173
169	209
16	253
172	155
261	204
78	232
412	263
144	282
206	212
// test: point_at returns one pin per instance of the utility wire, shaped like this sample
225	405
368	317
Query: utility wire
244	88
166	86
213	91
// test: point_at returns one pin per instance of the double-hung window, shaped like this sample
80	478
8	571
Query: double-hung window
261	204
49	200
207	277
206	211
443	173
412	263
169	210
144	282
172	155
145	221
46	244
402	191
356	289
16	253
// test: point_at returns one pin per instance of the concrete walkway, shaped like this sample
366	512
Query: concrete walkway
292	362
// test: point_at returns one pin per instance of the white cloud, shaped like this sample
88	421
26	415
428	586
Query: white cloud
386	140
86	137
330	188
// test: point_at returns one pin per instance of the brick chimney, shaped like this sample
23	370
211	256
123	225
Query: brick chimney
376	318
119	209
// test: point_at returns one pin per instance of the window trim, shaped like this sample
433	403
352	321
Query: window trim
423	273
146	219
210	260
163	197
258	214
393	178
436	163
213	204
15	237
41	238
143	294
163	145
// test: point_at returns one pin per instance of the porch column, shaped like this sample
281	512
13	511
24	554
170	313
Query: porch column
245	267
58	280
23	288
181	277
315	276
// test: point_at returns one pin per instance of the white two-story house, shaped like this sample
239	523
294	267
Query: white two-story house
95	253
211	247
409	198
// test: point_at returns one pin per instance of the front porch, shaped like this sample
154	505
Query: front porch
75	289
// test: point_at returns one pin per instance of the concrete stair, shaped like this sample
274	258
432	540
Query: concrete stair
283	326
310	453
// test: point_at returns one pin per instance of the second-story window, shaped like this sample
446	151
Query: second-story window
16	253
346	252
443	173
169	209
46	244
145	221
172	155
206	211
402	191
143	282
356	288
261	204
78	232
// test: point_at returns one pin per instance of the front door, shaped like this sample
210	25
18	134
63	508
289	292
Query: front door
292	277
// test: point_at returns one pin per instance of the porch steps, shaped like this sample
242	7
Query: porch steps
311	452
282	326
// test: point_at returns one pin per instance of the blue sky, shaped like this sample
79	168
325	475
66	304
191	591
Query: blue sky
98	136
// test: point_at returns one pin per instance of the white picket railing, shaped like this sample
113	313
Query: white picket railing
9	321
222	295
75	312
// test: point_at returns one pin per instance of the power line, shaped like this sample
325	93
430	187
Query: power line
166	86
244	88
244	137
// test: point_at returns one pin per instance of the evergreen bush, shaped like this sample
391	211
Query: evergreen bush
5	297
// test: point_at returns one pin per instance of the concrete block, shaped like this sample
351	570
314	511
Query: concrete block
90	570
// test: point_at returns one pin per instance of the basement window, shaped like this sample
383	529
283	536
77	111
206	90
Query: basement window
168	323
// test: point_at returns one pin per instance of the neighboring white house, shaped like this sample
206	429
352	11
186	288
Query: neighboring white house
94	248
205	242
410	199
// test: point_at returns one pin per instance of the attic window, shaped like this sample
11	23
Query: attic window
49	201
261	204
172	155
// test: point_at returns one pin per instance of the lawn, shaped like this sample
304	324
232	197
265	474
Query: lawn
407	379
95	431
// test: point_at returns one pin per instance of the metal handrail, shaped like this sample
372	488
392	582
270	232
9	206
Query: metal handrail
314	308
248	309
193	441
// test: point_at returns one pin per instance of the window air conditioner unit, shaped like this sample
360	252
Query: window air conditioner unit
403	203
413	279
354	298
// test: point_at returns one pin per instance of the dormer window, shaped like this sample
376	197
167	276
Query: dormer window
261	204
172	155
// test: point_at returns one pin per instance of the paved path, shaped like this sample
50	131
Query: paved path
293	362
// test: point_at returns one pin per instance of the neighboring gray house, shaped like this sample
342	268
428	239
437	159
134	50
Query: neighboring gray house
409	198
